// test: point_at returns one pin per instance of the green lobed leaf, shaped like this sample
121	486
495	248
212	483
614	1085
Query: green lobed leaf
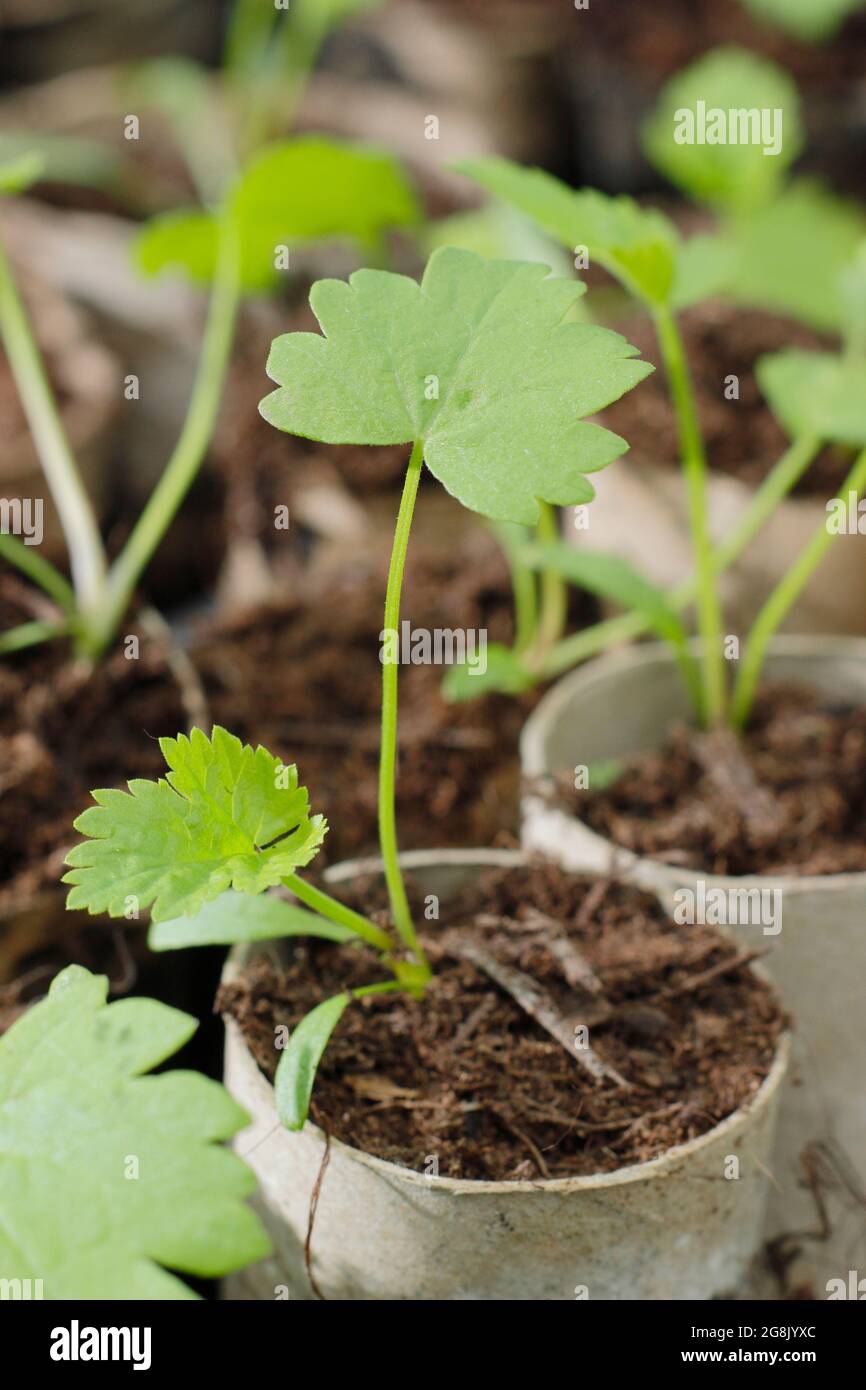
730	175
225	816
813	21
789	257
292	192
110	1178
816	393
638	245
236	917
296	1072
706	266
478	362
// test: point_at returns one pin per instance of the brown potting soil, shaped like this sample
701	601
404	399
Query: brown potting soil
305	680
64	732
468	1076
789	799
743	439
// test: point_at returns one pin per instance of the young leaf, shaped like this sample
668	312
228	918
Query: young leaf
110	1178
637	245
225	816
816	393
293	1083
706	266
234	917
789	257
477	362
725	93
505	675
296	191
813	21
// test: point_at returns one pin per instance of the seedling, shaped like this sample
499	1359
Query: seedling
642	249
110	1178
481	372
294	191
769	226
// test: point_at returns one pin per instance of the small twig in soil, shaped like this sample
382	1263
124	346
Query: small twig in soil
314	1202
698	981
178	662
535	1001
721	756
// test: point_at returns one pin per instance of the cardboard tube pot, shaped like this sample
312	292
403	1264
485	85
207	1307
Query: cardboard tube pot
641	515
626	702
671	1228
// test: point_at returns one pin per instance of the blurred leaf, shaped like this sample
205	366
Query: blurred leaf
296	1073
814	21
497	232
76	1111
296	191
235	917
504	675
726	176
789	257
852	290
705	268
604	773
20	171
816	393
182	240
477	362
637	245
63	158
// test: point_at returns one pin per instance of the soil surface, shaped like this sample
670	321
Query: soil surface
743	439
467	1075
790	798
305	679
63	732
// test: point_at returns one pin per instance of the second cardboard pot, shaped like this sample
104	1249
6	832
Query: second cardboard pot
626	702
672	1228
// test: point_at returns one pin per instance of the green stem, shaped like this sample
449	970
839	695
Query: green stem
189	451
30	634
83	541
388	752
40	570
523	583
778	483
554	595
694	462
786	592
335	911
386	987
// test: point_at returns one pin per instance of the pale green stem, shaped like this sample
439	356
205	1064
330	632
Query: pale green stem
41	571
554	594
189	451
709	614
385	987
778	483
781	599
83	541
388	752
335	911
30	634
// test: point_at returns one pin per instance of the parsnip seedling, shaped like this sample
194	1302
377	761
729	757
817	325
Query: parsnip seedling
481	373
